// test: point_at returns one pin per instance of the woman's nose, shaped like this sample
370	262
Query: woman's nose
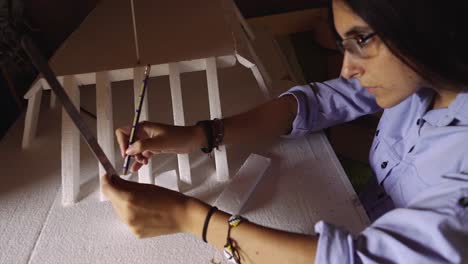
350	69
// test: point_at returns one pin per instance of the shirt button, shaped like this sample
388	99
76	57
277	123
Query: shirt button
411	149
377	133
463	202
384	164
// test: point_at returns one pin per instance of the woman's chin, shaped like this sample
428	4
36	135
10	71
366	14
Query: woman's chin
386	102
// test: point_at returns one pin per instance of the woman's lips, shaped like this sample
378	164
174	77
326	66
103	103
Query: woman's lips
370	89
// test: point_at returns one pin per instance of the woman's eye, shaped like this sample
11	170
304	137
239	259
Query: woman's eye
363	40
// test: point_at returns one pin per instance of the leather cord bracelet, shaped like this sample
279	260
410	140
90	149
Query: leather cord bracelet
207	221
214	133
207	128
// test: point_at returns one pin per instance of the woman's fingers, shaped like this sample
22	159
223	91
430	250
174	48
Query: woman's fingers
122	135
135	166
141	159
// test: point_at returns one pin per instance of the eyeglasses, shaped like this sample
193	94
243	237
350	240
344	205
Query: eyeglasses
359	46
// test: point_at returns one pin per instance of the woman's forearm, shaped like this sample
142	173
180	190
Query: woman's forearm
256	244
263	123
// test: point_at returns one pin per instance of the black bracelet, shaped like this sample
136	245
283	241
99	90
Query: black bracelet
207	220
207	127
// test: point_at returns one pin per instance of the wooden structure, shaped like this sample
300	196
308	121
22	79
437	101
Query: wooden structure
121	36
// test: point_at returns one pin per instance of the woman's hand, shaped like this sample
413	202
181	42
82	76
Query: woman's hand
147	209
154	138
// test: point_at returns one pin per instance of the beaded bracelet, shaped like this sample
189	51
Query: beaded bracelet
230	249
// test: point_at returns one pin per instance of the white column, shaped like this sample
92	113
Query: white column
70	147
179	120
222	169
146	172
32	117
53	98
105	122
260	81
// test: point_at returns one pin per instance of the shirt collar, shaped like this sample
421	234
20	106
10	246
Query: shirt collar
457	110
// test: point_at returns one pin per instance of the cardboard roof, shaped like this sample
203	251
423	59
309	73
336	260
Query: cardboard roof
168	31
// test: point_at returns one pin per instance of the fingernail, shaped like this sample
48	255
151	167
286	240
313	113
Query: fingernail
129	151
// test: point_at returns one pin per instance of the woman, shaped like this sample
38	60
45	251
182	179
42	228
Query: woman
407	57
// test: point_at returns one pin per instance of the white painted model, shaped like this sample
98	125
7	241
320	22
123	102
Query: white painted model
222	169
179	119
31	120
70	147
105	122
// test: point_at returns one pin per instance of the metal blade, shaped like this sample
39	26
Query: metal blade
41	64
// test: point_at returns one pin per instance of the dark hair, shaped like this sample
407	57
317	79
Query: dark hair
430	36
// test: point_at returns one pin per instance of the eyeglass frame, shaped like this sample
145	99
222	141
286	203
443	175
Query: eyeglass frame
357	43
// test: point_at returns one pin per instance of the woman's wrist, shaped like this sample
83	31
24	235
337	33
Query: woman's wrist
194	216
199	137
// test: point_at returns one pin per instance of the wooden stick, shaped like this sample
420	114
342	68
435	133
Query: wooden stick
32	117
222	169
179	120
104	120
70	147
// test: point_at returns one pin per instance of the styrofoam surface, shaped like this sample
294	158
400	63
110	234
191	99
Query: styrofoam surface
304	184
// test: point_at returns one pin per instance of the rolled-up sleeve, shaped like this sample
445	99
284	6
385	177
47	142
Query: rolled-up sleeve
321	105
433	230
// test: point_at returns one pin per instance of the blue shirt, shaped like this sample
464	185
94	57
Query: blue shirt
418	200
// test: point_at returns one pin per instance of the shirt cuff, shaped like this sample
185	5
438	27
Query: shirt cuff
334	244
306	99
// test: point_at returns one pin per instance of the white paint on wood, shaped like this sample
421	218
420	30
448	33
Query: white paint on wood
127	74
115	76
261	82
234	196
105	123
70	147
168	180
222	169
53	99
179	120
145	174
31	120
35	87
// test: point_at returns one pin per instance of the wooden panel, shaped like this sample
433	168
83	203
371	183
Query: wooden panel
269	7
314	20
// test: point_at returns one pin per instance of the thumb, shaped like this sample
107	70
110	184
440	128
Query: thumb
140	146
115	186
108	186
